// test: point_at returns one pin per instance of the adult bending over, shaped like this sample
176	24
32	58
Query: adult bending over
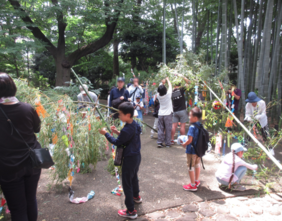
233	168
82	96
18	179
165	114
179	108
256	108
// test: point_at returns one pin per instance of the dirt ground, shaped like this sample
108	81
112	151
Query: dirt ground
162	174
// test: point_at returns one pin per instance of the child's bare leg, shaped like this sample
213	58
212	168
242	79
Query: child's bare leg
197	172
192	175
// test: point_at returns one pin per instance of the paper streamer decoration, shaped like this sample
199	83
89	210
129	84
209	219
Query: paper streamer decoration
196	95
229	122
190	103
89	196
223	150
203	115
40	109
182	139
218	143
3	202
118	190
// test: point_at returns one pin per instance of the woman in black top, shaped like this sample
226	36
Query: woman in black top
18	179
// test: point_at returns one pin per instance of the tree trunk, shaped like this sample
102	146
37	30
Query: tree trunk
229	34
217	36
248	48
182	24
239	47
176	25
62	73
279	86
263	71
194	26
63	62
208	35
276	47
224	35
115	59
164	33
257	43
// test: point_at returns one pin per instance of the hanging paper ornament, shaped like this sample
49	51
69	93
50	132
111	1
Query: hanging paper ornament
216	105
54	139
66	140
196	95
40	109
203	115
229	122
190	103
218	143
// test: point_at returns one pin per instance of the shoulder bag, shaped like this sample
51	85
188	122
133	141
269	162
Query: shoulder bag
119	152
40	158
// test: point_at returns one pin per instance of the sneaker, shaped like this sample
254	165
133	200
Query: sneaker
168	146
125	213
198	183
137	199
160	145
189	187
172	142
239	188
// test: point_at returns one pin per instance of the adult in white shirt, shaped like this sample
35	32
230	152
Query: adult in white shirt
82	96
165	114
256	109
232	169
135	90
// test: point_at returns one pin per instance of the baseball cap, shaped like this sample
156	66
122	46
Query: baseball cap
120	79
138	97
81	88
237	147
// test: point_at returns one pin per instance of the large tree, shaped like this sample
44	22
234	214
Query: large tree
62	10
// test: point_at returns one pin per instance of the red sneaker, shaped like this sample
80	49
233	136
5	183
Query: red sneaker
189	187
198	183
125	213
137	199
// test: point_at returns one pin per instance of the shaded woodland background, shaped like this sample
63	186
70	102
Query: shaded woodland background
42	40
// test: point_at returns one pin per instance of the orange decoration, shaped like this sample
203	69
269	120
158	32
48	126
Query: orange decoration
40	109
233	93
71	128
55	139
254	129
89	126
190	102
229	122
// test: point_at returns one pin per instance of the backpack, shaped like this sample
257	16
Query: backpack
202	143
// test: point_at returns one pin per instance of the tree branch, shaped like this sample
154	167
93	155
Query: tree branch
103	41
35	30
61	26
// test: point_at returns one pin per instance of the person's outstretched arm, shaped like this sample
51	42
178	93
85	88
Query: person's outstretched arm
184	78
169	86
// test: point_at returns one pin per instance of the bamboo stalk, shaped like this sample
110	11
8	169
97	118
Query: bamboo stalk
91	100
249	133
102	105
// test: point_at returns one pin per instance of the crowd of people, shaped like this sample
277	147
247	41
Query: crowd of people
19	180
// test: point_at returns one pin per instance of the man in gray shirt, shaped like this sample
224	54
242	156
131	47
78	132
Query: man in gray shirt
83	97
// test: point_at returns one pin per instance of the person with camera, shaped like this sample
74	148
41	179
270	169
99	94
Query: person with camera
18	178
